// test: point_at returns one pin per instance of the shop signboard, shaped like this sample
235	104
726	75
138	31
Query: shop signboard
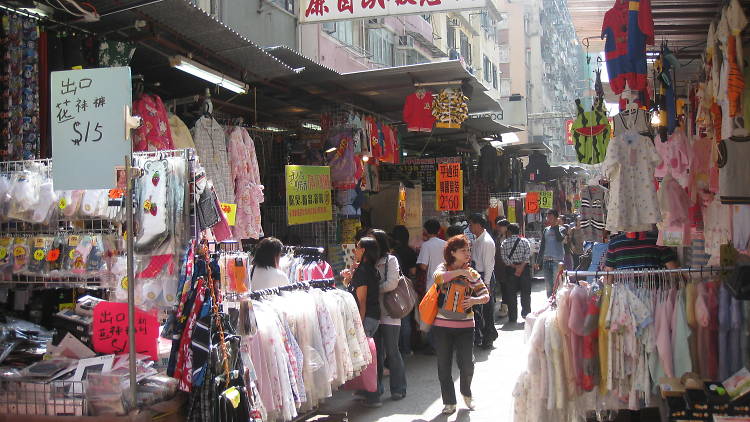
316	11
532	203
415	169
308	194
110	330
450	187
88	126
569	131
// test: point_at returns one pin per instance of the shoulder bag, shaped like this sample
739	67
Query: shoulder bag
400	301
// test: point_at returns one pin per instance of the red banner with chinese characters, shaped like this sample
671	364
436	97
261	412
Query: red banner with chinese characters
315	11
569	131
110	330
449	187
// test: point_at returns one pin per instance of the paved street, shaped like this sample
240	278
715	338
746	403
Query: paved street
494	379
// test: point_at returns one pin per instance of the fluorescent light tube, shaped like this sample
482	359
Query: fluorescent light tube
208	74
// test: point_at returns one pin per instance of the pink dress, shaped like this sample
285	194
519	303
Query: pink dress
248	190
154	134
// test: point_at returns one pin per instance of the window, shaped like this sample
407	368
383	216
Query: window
344	32
504	53
465	48
380	45
494	76
487	69
502	23
505	87
451	39
408	57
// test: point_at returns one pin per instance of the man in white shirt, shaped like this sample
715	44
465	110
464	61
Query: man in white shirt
431	254
483	255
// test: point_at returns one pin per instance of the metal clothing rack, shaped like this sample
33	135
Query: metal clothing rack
709	270
304	285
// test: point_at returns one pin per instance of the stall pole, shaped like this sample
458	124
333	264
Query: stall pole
131	280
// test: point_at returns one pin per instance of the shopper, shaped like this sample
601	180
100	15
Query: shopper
265	272
387	337
461	289
551	251
407	260
365	286
454	230
501	233
431	253
483	255
516	253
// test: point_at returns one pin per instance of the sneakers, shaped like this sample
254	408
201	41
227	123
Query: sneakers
503	312
469	402
449	409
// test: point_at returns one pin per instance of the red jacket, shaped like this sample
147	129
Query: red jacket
418	112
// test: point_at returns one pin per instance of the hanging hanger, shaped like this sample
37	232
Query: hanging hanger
207	109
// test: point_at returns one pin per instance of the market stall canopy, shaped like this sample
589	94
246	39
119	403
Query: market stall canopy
488	125
179	24
520	150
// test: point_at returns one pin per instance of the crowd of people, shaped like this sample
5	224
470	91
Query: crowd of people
468	265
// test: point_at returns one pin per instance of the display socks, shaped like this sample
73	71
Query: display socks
47	199
153	194
81	253
69	202
91	202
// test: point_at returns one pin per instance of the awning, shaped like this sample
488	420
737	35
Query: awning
519	150
488	126
182	23
307	68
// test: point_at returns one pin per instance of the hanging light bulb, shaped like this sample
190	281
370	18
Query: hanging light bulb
655	119
365	158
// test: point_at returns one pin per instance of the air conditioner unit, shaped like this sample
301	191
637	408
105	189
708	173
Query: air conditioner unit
329	27
374	23
453	23
405	42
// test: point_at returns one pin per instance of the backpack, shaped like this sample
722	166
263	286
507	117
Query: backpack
451	297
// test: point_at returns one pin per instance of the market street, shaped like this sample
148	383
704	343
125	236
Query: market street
495	377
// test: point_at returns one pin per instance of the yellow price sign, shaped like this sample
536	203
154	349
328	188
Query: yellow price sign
19	250
39	254
3	253
62	203
545	199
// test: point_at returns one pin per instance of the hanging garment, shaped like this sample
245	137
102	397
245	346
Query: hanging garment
248	190
593	212
631	159
154	133
418	112
450	108
734	171
181	136
591	133
211	147
628	26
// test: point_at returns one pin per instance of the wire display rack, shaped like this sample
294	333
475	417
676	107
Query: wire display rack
275	224
56	398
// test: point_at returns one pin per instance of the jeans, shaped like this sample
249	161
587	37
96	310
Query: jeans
446	341
386	342
550	271
485	332
404	341
515	285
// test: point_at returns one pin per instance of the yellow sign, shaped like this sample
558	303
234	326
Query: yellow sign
545	199
308	194
511	211
230	211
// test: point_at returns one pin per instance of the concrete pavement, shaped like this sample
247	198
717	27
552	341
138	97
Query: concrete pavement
495	377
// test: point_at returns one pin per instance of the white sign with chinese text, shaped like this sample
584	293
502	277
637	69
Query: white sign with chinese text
88	126
314	11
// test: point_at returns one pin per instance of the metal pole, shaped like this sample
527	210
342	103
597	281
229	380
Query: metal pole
708	270
131	280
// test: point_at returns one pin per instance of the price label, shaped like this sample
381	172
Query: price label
62	203
545	199
39	254
3	252
19	251
39	242
74	240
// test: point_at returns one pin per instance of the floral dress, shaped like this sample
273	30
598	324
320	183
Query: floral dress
248	190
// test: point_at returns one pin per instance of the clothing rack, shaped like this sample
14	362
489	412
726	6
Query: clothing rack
710	270
42	19
305	285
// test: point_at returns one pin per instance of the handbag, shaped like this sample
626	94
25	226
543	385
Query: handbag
400	301
428	307
368	379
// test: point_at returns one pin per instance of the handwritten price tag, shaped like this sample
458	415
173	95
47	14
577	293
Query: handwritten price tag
110	330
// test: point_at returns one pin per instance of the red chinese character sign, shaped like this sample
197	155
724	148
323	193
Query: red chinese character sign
110	330
315	11
531	206
449	187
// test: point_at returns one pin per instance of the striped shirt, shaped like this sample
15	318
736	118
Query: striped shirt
451	313
641	252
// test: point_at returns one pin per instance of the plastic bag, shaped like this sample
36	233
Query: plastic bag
38	249
20	255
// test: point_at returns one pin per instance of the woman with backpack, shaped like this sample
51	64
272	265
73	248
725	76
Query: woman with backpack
386	339
460	288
